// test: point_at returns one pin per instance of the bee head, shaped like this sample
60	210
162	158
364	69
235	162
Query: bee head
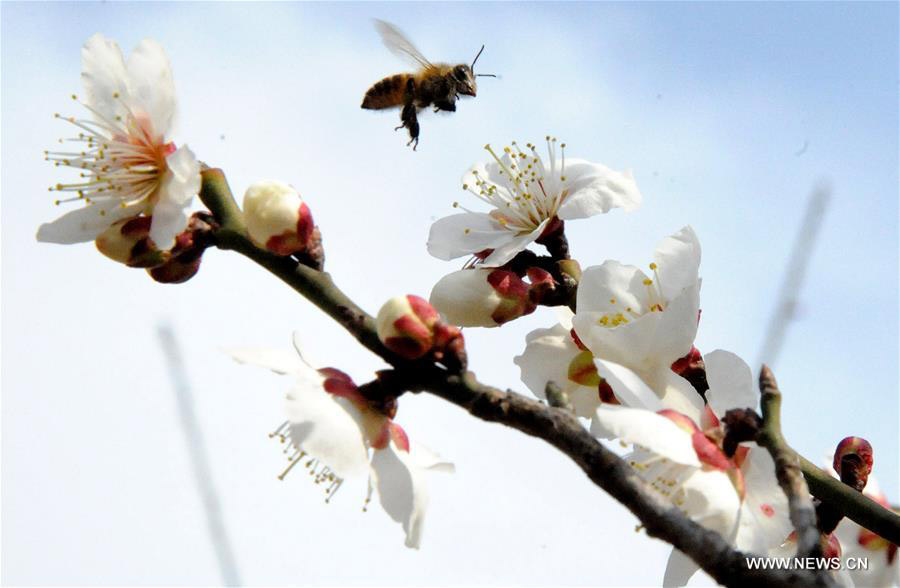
465	80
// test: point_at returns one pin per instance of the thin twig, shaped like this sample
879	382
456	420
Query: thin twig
787	468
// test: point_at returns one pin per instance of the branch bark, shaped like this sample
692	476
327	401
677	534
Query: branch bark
787	468
662	520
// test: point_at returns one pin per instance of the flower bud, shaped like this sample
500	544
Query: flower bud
277	218
450	347
542	284
853	461
481	297
406	325
692	368
179	269
128	241
186	255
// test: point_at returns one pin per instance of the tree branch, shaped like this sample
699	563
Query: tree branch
661	519
787	468
850	503
558	427
315	286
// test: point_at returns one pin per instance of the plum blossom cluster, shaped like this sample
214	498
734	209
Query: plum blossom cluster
621	354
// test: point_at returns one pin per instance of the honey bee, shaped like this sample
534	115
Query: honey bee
437	84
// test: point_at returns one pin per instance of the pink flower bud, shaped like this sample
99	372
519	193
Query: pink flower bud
406	326
542	283
178	269
853	460
692	368
185	256
693	360
481	297
277	218
128	241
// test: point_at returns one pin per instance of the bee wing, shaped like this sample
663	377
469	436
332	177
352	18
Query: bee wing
399	45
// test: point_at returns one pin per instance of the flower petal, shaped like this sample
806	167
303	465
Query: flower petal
678	327
489	171
179	186
464	234
650	340
429	460
466	298
764	522
629	387
104	77
151	86
547	356
679	569
327	428
506	251
730	382
712	501
564	315
678	262
612	287
596	189
85	223
648	429
280	361
678	394
400	479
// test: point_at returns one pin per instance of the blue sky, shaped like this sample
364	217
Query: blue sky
710	105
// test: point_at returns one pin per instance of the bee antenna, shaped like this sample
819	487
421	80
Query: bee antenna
485	75
476	58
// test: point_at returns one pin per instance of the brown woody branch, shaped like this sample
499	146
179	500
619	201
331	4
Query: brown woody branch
556	426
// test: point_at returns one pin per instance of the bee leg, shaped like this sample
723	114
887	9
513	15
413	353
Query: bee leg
449	105
408	115
409	121
412	124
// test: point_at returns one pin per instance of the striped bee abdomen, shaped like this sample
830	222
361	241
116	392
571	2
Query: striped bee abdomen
386	93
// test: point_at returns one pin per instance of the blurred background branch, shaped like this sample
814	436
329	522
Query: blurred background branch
786	304
196	448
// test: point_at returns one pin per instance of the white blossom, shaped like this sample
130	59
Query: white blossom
526	192
638	325
127	165
336	434
681	459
